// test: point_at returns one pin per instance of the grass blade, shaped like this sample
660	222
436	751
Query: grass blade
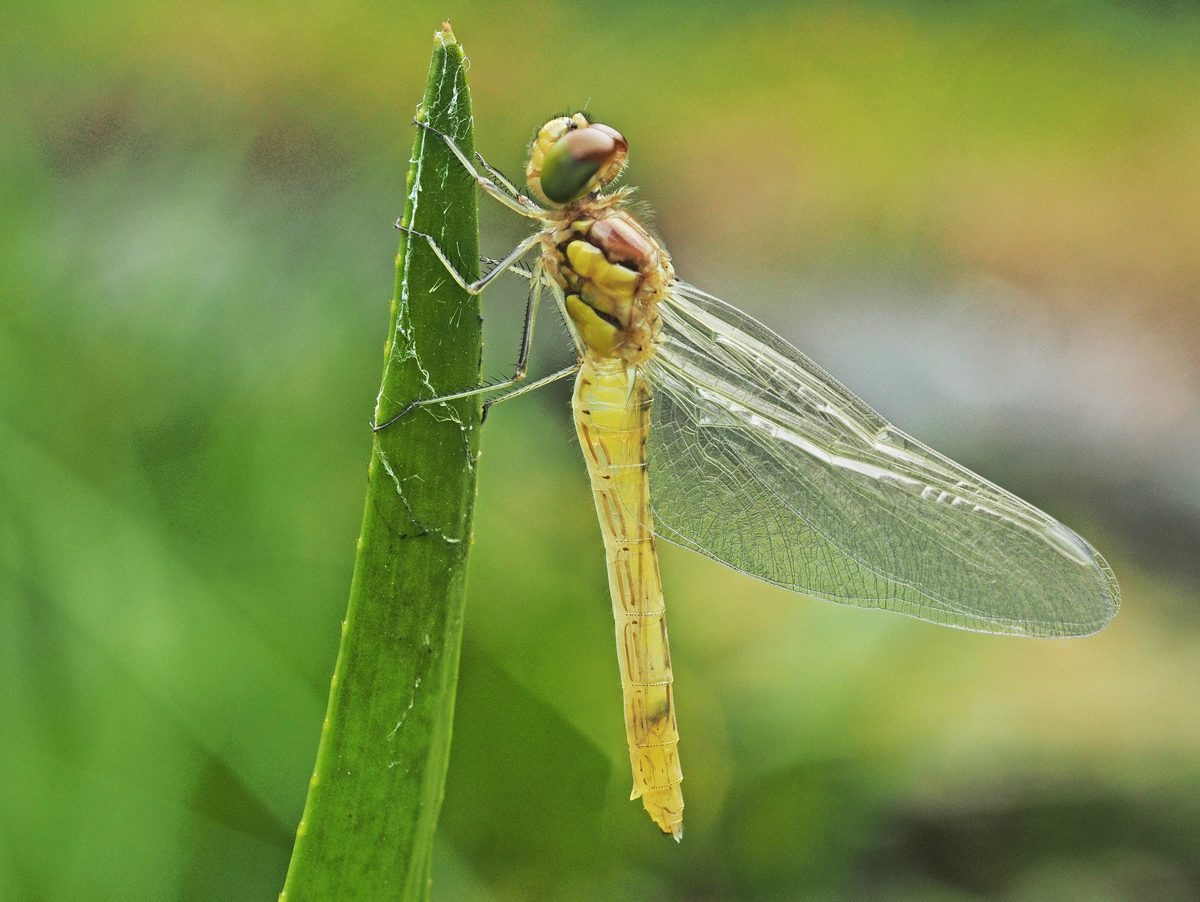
372	808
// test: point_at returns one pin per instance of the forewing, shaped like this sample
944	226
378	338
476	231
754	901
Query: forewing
761	460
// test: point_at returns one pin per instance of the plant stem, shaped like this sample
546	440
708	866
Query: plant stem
373	803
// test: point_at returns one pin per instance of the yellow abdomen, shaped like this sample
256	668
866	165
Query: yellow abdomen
612	417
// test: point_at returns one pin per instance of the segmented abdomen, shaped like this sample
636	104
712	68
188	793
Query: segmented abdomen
612	417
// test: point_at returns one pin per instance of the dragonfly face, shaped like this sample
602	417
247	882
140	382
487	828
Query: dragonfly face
571	157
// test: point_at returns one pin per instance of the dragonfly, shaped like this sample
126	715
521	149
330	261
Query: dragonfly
702	427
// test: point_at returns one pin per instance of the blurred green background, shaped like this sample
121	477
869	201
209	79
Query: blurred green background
981	216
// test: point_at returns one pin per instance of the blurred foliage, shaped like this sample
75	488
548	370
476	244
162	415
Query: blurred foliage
195	264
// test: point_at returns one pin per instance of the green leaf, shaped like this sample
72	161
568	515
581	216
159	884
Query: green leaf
373	804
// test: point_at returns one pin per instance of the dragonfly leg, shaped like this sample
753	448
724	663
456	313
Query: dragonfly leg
531	308
519	268
530	386
499	178
518	204
477	286
527	273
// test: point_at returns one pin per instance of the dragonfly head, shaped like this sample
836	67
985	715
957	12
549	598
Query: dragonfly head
572	157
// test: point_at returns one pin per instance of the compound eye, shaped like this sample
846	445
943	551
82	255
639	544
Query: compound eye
580	161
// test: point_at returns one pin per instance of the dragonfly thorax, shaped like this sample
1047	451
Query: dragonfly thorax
611	270
613	274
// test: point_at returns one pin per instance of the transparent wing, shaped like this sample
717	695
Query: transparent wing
761	460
